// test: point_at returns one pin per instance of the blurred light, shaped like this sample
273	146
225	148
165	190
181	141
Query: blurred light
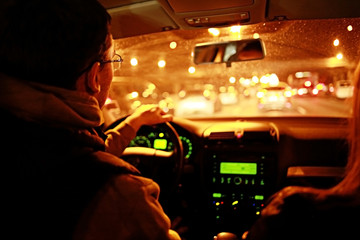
134	62
173	45
165	94
182	93
166	104
336	42
339	56
315	91
191	70
288	93
161	63
146	93
299	75
256	35
108	100
245	82
165	109
151	86
320	86
273	80
255	79
307	83
232	79
302	74
260	94
206	93
349	28
133	95
209	86
191	105
154	95
222	89
265	79
246	92
235	29
214	31
135	104
302	91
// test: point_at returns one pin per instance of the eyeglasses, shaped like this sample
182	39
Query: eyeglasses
116	61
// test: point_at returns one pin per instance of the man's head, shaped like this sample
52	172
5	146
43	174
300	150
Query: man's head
52	42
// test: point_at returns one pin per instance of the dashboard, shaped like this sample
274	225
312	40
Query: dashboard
158	138
232	167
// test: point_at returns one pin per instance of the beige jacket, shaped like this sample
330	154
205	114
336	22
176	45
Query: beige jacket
126	206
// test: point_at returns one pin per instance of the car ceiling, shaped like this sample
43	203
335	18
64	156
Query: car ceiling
149	16
140	17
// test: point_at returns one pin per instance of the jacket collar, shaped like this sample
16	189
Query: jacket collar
49	105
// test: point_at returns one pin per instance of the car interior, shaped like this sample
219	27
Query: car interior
208	62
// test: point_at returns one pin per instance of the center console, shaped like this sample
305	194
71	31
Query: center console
240	162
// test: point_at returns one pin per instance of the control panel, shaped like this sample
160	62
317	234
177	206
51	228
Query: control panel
238	185
240	174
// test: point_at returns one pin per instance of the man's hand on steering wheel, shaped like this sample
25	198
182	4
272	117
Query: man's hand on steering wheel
149	114
162	166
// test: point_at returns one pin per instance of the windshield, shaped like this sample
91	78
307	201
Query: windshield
309	64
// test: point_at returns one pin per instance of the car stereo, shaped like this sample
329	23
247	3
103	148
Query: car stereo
238	184
240	174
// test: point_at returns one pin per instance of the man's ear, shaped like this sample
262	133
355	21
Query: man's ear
91	80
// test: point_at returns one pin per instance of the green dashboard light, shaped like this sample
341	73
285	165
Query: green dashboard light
216	195
238	168
187	146
160	144
259	197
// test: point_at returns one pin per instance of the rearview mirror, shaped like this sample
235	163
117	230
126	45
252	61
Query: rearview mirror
227	52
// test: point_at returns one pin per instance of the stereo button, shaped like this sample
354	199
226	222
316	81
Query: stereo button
237	180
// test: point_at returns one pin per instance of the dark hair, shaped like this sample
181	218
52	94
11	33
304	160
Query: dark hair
51	41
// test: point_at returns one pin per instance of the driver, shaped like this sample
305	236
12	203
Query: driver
61	179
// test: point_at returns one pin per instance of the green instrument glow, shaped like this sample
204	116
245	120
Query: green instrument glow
238	168
160	143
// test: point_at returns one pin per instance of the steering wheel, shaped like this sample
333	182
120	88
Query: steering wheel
164	167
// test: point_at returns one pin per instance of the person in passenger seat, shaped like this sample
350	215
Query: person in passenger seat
309	213
60	178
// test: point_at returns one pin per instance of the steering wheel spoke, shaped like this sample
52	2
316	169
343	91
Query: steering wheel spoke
163	166
146	152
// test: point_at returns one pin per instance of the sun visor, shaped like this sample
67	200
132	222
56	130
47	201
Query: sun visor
211	13
139	18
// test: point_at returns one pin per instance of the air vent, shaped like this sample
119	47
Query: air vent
221	135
